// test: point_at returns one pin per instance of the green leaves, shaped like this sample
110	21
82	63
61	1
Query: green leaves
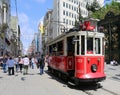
100	14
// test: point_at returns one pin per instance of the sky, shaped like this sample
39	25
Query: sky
30	13
107	1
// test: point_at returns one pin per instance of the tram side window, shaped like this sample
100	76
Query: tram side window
50	50
82	45
103	46
89	45
78	46
53	49
70	46
97	45
60	48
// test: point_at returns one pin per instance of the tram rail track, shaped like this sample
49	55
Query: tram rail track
91	92
109	91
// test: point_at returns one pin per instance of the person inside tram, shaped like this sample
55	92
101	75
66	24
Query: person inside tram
90	46
89	51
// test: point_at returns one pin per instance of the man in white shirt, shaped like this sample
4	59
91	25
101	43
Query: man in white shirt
26	64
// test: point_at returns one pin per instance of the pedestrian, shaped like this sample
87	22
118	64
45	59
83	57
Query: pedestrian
33	62
1	62
16	64
42	64
26	64
20	62
38	62
10	63
30	60
5	58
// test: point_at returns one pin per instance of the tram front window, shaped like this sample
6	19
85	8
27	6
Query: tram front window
97	45
89	45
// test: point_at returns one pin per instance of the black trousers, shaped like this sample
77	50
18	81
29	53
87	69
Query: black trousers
21	66
11	70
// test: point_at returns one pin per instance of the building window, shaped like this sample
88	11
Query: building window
69	22
69	6
72	7
72	15
75	1
63	4
63	20
66	13
63	12
69	14
72	23
66	5
66	21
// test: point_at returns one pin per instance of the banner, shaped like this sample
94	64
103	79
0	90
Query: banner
41	27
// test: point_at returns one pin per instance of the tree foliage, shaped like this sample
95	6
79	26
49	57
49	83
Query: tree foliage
80	18
113	7
93	7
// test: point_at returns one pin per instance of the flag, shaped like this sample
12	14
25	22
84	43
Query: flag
41	27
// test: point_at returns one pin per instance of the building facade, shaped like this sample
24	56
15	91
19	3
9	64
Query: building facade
35	47
5	33
15	38
9	30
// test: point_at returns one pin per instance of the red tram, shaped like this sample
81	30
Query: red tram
78	55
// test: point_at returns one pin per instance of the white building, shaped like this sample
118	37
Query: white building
48	29
65	12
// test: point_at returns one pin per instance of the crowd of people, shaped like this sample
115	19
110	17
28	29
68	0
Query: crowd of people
21	64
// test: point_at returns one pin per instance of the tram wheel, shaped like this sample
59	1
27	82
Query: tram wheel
59	75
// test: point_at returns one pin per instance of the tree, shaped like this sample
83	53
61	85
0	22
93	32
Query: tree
80	18
92	7
113	7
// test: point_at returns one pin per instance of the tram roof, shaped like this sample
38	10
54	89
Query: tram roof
75	33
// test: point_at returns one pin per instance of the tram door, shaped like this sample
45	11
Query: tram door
70	56
70	46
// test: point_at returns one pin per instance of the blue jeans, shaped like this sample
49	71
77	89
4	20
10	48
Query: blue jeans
4	67
17	67
41	71
32	65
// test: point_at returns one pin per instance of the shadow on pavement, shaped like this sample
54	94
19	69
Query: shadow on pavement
90	86
1	77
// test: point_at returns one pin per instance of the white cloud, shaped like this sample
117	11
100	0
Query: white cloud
23	18
27	32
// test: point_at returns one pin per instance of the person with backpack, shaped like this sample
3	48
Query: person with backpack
5	58
41	63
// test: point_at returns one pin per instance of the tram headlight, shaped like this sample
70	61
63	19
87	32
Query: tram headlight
94	68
